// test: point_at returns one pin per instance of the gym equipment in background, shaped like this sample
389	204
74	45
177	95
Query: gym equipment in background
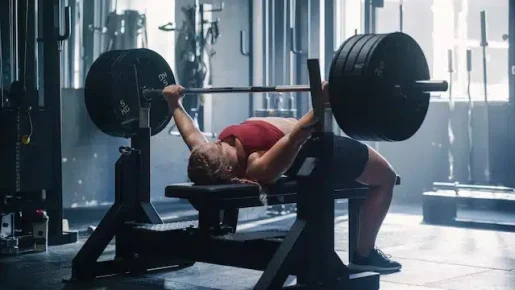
194	48
122	30
440	206
30	148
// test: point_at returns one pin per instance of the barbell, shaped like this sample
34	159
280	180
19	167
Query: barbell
378	88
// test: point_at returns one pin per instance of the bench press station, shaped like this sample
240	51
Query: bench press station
144	242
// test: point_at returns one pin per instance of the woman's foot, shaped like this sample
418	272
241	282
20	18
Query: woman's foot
376	261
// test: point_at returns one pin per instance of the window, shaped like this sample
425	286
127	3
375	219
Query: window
440	25
456	25
157	12
348	19
469	25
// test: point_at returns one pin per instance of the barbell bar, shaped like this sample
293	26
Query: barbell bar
423	86
379	87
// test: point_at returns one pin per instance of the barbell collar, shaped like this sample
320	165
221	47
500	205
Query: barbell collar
431	86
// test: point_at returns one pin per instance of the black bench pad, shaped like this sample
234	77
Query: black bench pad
285	186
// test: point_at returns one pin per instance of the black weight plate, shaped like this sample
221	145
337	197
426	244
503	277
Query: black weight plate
346	88
96	93
398	60
359	100
138	69
337	82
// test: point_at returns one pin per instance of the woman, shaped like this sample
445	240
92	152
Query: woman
261	150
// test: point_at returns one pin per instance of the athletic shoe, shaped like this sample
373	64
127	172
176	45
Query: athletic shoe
377	261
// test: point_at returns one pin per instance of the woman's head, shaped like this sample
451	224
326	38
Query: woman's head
212	163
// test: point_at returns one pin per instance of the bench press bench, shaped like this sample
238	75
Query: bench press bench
218	205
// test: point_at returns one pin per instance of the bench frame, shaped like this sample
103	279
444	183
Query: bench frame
132	204
306	251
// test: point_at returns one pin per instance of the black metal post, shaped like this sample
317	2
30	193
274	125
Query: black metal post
52	93
355	205
330	35
141	143
88	31
320	211
68	70
26	50
373	18
13	26
5	78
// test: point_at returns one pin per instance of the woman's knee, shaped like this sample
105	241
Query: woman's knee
390	175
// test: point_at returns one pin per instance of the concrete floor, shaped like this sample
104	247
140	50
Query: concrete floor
433	257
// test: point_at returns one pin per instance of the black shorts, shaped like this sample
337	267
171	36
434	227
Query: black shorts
350	159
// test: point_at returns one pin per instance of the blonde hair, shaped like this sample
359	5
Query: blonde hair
207	166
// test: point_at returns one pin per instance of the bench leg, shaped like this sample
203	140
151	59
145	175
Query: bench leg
283	260
355	205
230	218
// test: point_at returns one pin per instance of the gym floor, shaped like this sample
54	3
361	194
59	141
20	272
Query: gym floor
433	257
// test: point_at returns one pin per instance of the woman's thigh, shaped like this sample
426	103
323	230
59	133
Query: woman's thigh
349	161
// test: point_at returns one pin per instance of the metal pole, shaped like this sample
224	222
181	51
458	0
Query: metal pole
450	128
52	93
13	28
250	47
367	14
401	16
470	120
484	44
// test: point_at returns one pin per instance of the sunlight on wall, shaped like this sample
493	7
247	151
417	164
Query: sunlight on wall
443	37
468	32
158	12
349	19
440	25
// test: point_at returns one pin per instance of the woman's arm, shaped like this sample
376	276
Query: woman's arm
271	165
189	132
268	167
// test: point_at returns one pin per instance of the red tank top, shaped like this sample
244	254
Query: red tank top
254	135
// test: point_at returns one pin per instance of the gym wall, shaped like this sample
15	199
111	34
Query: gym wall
229	66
